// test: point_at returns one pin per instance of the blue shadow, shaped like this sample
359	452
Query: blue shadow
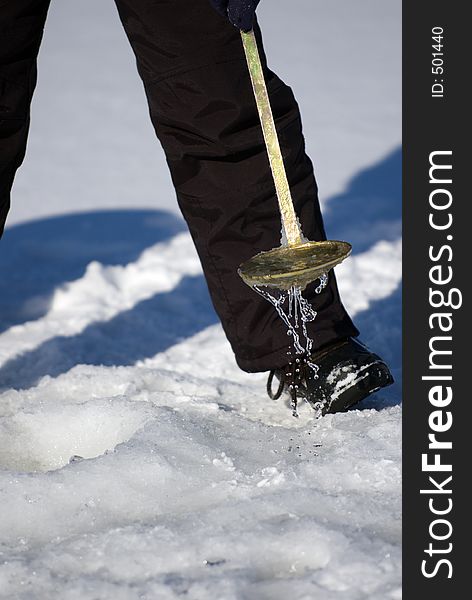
151	326
38	256
370	209
381	329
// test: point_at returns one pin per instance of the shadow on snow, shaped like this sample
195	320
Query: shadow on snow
151	326
381	329
370	208
39	256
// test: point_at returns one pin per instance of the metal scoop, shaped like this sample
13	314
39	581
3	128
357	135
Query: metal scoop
299	262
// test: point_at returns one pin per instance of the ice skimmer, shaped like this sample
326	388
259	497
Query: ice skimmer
297	262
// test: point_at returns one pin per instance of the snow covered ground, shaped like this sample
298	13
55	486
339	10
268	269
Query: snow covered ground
136	460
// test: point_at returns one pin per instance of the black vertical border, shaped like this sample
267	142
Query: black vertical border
432	124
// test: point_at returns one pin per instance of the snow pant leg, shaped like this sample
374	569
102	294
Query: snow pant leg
21	30
202	107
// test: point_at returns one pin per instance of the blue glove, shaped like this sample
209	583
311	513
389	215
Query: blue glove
240	13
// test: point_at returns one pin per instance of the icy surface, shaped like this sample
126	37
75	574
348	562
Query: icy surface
136	460
176	475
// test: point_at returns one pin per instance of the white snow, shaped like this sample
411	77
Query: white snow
136	460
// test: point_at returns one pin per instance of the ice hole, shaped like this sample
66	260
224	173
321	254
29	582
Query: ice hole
50	437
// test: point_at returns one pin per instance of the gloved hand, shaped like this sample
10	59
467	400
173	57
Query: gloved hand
240	13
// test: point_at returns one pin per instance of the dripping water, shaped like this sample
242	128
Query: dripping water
296	312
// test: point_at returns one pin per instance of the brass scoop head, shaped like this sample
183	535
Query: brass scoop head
297	266
299	262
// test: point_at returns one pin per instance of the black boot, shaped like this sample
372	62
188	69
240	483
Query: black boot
333	379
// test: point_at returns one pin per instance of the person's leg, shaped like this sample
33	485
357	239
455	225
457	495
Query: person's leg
202	107
21	30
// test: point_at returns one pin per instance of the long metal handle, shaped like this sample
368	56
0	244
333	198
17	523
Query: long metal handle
287	211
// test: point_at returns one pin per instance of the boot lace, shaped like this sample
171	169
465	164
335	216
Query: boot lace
292	378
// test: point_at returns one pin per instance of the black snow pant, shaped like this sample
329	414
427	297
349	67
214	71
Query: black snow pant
201	104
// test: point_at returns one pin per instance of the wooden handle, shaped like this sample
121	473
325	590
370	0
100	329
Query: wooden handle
289	218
